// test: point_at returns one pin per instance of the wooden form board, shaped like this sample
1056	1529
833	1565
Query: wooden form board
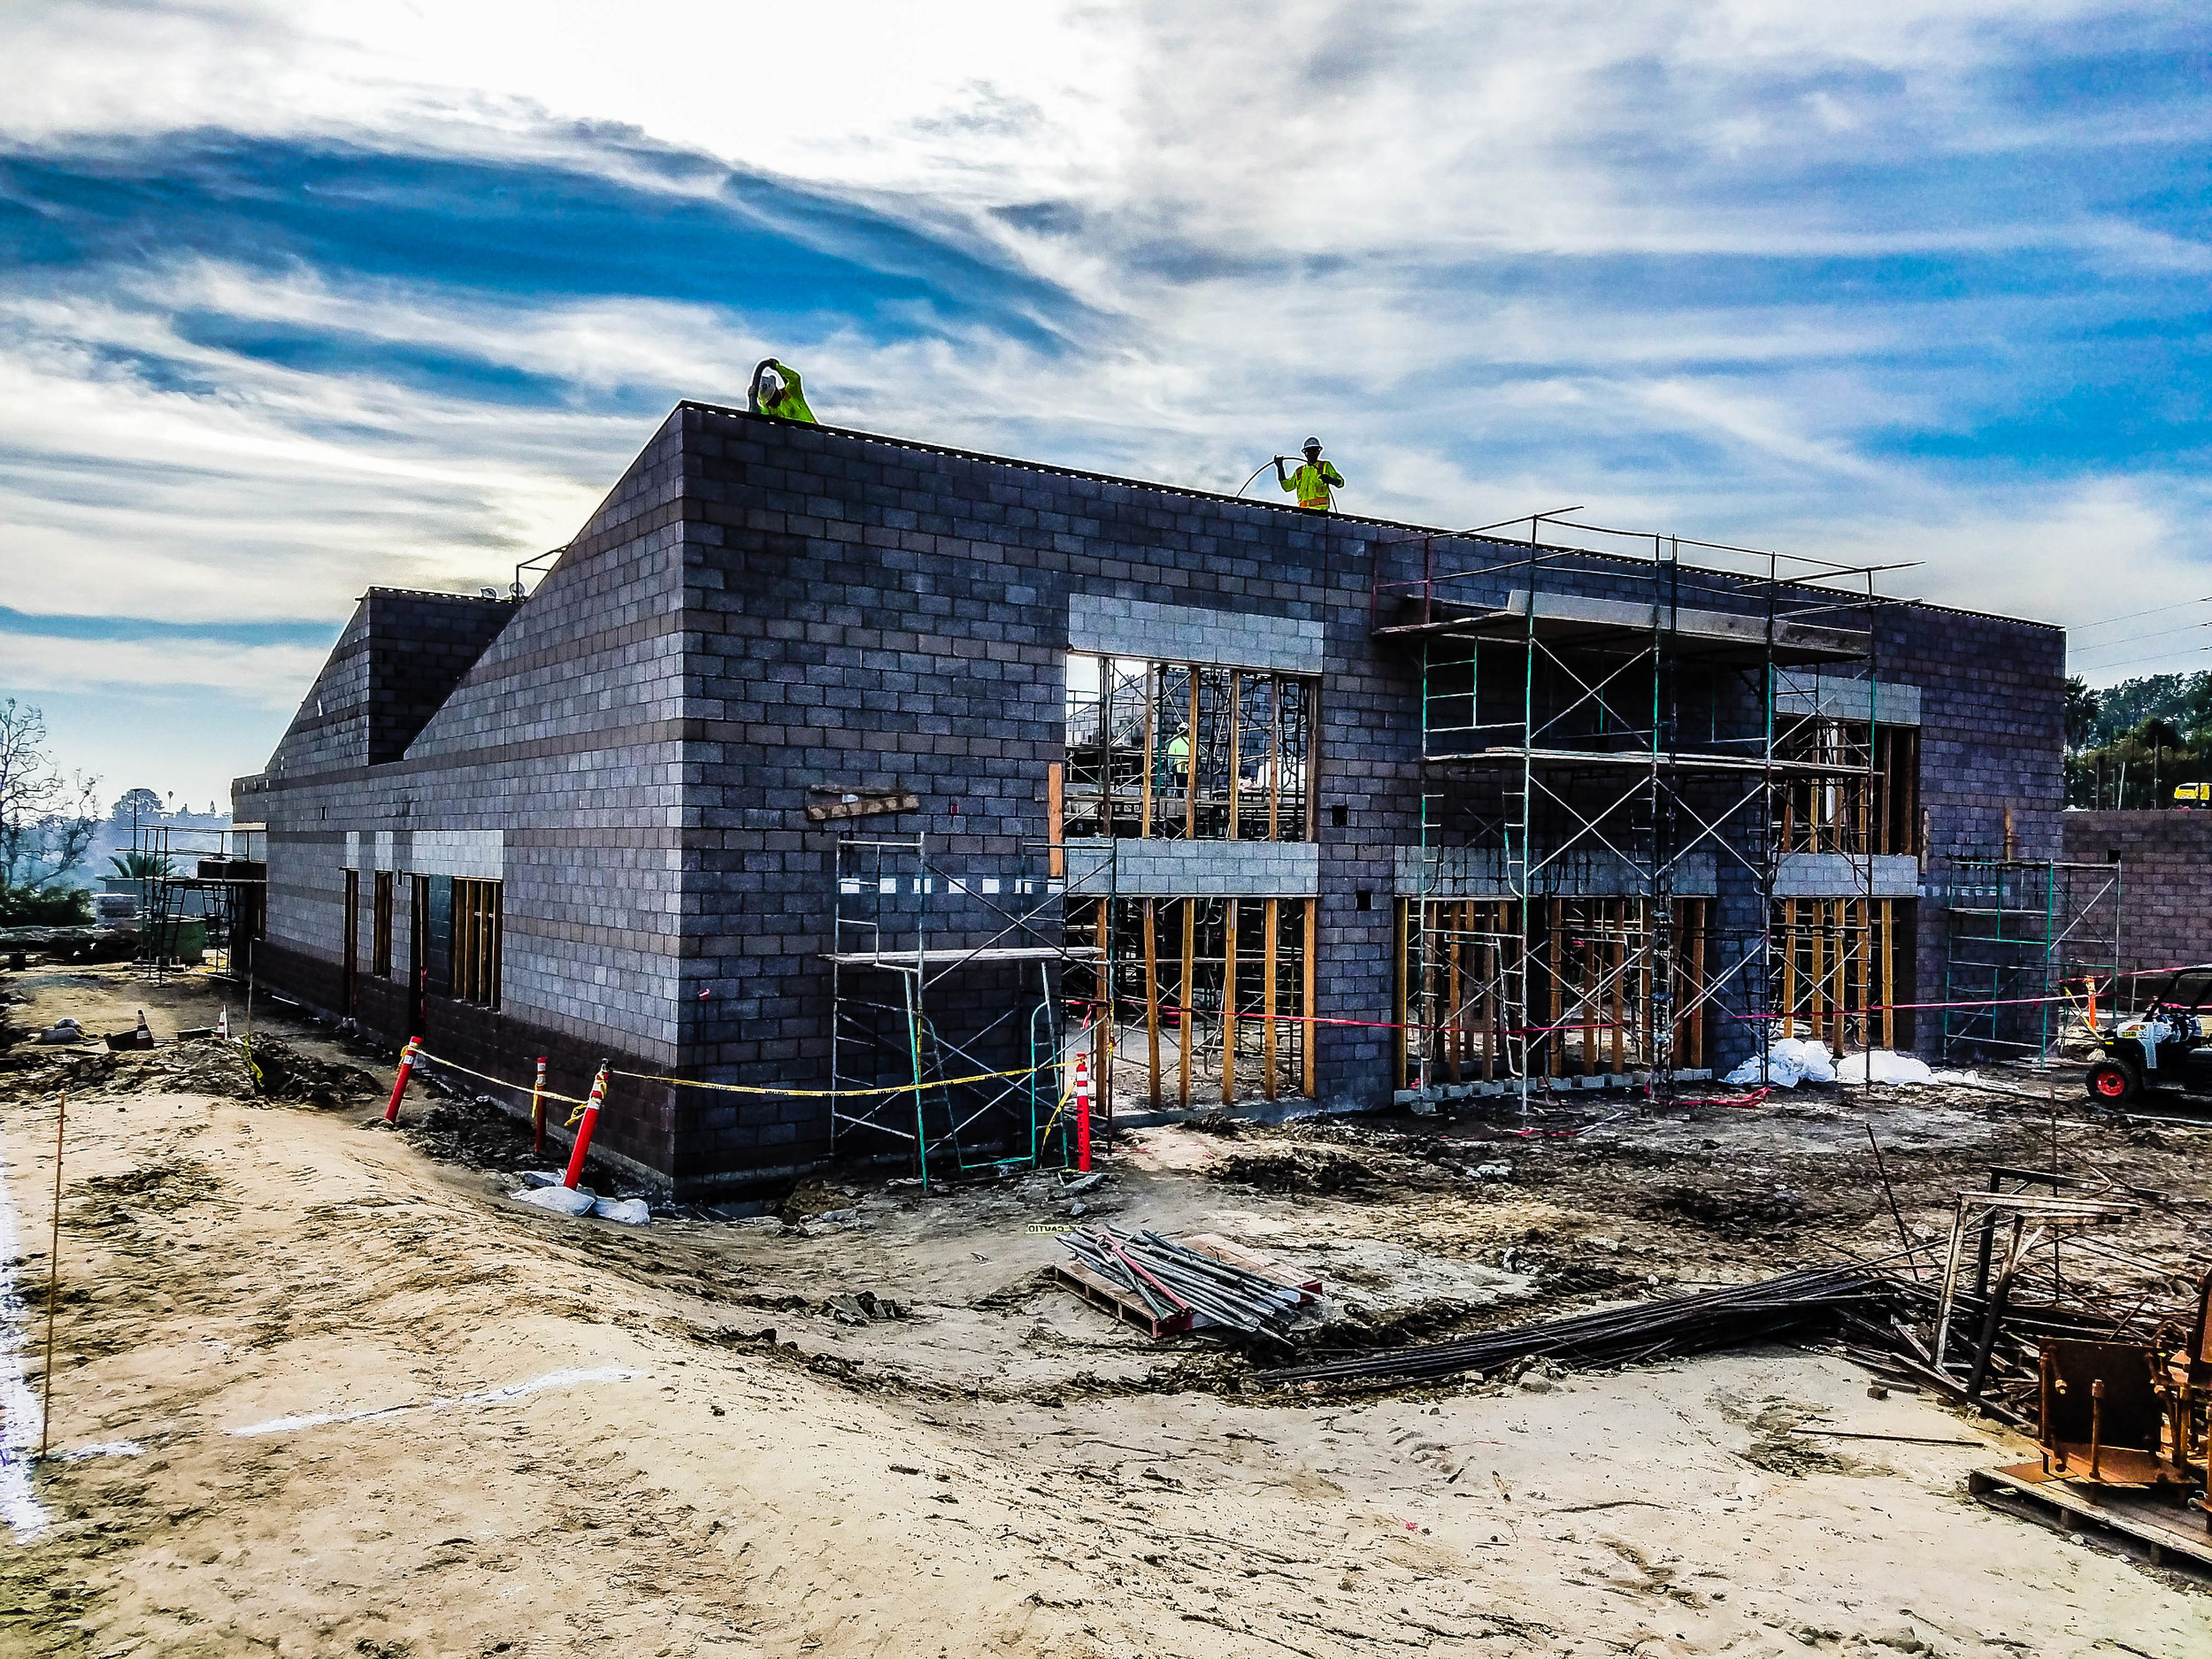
1208	967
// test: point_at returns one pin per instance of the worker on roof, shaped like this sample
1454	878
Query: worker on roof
1313	481
777	391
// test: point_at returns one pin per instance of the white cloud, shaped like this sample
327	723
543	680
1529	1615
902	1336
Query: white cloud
273	677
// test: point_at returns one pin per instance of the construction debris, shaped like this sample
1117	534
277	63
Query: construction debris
1178	1284
1790	1305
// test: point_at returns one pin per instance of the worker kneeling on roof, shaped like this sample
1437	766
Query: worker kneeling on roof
1313	481
777	391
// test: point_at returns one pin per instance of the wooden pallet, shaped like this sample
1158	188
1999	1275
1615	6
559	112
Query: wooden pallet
2165	1529
1095	1288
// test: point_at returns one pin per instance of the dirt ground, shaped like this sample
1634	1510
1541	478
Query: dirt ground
320	1388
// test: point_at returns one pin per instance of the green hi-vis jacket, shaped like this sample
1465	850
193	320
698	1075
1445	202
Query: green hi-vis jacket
1312	484
790	404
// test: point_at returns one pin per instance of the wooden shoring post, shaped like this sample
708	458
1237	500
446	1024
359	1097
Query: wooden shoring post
1106	672
1190	778
1864	939
1885	740
1552	965
1789	967
1587	983
1400	984
1152	993
1888	977
1229	1002
1426	1016
1697	986
1101	1034
1486	1010
1309	1032
1838	941
1274	757
1647	1030
1236	745
1450	1033
1819	973
1672	922
1184	999
1463	1003
1789	816
1144	816
1056	803
1272	918
1619	976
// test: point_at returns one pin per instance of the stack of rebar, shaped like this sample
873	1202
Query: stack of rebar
1171	1279
1621	1336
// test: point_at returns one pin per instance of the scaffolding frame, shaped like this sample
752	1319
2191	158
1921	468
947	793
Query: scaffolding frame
231	906
1561	762
895	974
2029	930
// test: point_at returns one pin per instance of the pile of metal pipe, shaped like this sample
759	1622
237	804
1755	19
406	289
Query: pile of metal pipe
1171	1279
1619	1336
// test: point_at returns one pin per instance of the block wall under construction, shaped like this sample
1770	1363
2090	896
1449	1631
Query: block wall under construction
632	788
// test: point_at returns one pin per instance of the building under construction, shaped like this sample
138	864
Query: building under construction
838	789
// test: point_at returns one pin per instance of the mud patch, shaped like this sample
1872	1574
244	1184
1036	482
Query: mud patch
165	1185
1735	1213
1299	1172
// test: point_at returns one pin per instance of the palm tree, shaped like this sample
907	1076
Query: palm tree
2160	736
142	866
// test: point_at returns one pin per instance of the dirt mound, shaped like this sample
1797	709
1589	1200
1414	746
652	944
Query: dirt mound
197	1065
287	1074
482	1136
813	1198
1733	1213
1297	1171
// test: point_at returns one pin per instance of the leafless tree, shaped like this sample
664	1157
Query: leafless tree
46	819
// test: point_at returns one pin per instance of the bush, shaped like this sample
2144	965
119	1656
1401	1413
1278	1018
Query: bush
45	907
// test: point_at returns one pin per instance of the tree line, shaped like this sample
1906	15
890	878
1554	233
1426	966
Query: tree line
2133	744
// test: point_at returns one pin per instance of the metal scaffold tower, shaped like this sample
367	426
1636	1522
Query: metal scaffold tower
1619	759
951	1033
203	897
2019	935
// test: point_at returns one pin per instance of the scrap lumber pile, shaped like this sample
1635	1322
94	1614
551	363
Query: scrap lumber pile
1174	1285
1794	1304
2023	1268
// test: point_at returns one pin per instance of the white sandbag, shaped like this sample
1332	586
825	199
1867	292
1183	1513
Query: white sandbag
1790	1061
631	1213
1884	1066
562	1200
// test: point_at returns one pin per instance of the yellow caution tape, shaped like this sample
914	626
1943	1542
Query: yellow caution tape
739	1088
827	1093
454	1065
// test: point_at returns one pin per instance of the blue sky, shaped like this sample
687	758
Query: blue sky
298	298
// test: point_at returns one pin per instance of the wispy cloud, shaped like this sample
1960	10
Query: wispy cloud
296	298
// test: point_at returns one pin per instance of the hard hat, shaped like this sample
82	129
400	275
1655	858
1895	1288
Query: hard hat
1311	444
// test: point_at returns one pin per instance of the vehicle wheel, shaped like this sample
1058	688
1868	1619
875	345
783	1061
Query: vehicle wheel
2113	1082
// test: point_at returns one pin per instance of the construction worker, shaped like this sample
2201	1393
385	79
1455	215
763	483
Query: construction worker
783	396
1313	480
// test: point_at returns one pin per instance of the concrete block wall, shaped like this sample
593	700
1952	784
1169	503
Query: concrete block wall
760	608
2165	881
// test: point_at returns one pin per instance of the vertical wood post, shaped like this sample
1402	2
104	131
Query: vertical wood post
1309	1032
1552	966
1056	807
1183	999
1152	1000
1889	979
1229	1002
1619	962
1789	967
1267	1003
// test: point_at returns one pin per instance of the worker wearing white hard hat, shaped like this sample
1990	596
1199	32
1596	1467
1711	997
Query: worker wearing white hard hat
1314	482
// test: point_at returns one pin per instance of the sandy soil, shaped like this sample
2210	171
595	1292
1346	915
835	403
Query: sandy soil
307	1341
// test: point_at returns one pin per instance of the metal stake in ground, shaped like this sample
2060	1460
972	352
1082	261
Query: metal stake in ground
53	1276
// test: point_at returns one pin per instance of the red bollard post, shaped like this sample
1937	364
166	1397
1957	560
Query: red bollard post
1082	1111
537	1106
583	1129
399	1084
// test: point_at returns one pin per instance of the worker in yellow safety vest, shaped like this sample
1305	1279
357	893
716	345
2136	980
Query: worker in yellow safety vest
1313	481
776	391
